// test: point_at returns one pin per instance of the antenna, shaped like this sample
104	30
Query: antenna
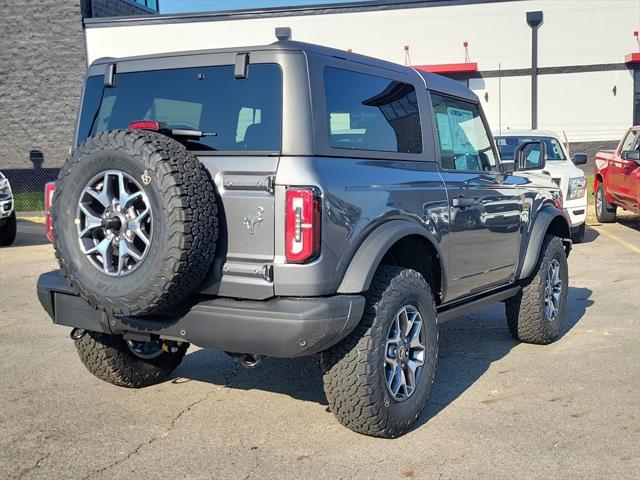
467	59
283	33
407	57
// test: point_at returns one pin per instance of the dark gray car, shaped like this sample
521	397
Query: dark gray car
289	200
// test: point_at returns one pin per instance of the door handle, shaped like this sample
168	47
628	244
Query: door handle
462	202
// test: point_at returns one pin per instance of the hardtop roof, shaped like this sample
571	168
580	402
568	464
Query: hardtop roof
431	80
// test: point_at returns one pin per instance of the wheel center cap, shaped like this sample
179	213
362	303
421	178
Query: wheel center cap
402	351
113	223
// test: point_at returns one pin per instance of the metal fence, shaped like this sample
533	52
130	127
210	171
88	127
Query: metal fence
28	189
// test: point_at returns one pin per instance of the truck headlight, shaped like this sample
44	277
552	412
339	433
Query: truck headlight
577	188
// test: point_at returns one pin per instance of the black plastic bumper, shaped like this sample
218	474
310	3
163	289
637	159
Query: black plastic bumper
281	327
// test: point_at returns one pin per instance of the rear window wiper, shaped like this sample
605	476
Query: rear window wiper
187	132
166	130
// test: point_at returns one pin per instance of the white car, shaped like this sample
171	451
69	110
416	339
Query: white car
562	169
7	213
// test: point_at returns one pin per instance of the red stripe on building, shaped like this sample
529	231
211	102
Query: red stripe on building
467	67
632	58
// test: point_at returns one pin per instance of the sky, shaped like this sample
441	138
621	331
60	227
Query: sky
178	6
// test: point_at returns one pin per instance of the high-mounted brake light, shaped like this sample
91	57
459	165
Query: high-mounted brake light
146	125
302	225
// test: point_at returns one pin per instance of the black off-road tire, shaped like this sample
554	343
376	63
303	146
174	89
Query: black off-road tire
8	231
184	214
526	311
353	370
607	212
109	358
577	236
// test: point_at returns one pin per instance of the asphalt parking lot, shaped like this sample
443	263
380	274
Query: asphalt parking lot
498	409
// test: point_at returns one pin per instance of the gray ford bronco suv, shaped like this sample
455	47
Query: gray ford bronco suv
289	200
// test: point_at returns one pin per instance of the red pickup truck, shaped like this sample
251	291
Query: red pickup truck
616	180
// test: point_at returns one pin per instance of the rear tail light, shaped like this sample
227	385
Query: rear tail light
302	225
49	189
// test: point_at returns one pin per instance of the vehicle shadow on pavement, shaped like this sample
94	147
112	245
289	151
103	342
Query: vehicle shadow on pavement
468	347
631	221
299	378
590	234
470	344
30	234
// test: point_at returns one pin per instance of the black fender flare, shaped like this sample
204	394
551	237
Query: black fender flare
541	224
367	258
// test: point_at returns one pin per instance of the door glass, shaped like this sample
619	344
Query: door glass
636	97
629	142
464	142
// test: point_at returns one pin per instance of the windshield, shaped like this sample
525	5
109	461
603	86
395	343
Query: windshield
507	145
244	114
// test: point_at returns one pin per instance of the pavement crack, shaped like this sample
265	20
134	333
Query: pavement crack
35	466
254	468
172	424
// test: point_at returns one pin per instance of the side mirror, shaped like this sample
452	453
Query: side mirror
530	155
632	155
580	159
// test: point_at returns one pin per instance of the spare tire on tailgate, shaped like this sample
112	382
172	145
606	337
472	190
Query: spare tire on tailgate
135	221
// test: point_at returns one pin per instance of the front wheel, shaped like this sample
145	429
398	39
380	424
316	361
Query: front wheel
537	313
377	380
128	363
605	212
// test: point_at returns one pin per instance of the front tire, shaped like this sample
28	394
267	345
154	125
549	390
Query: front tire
537	313
8	231
377	380
605	212
112	359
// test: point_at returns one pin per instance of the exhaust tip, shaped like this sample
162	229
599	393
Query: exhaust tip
250	360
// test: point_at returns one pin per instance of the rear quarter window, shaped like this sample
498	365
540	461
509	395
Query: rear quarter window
367	112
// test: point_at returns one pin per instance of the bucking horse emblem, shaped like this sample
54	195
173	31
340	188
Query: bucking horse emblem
253	221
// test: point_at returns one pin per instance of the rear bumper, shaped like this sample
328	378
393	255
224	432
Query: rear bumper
281	327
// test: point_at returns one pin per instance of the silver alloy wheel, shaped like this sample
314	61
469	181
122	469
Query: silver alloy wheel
145	350
404	353
114	223
598	200
552	290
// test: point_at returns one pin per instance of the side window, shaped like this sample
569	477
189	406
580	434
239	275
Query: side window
629	142
366	112
246	117
463	138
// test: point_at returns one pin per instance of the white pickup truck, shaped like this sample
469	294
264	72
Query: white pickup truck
7	213
562	169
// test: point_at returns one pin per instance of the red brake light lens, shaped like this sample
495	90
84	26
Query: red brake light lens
145	125
302	225
49	189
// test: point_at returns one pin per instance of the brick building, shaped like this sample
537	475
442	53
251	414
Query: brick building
43	58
